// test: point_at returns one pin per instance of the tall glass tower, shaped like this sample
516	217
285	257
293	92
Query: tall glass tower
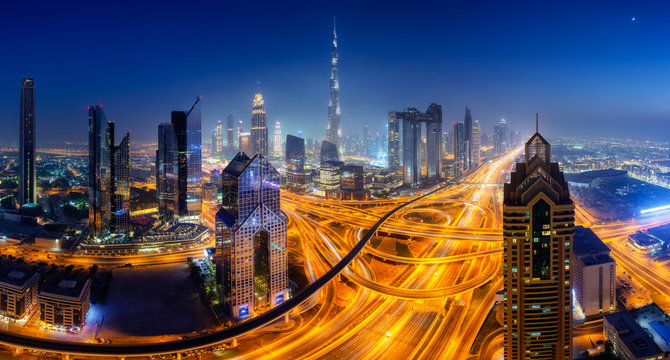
538	227
334	130
167	173
251	257
27	174
259	127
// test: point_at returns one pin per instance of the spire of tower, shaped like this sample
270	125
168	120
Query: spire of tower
334	28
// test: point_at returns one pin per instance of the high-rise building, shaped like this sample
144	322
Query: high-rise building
500	137
27	172
187	129
259	127
412	123
334	130
276	143
393	141
297	177
459	146
329	152
251	257
594	274
218	144
108	178
230	143
167	173
467	138
121	186
245	144
476	145
538	227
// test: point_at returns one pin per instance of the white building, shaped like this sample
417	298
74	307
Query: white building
594	280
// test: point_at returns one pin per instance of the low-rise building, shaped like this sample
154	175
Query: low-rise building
594	279
629	340
64	301
18	289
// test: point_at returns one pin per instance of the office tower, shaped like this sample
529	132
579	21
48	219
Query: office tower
459	146
108	178
240	130
329	152
500	137
594	274
230	143
167	170
538	227
467	138
27	173
297	177
121	195
251	258
393	130
245	144
413	122
276	144
259	127
218	144
476	145
334	130
187	128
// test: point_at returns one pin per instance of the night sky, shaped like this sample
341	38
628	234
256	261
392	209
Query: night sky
589	70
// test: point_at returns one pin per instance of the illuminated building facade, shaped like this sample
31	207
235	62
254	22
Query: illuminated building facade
459	146
594	274
251	257
27	172
393	130
415	125
538	227
259	127
167	172
217	145
18	289
334	130
500	137
64	301
187	129
108	178
276	143
476	145
230	142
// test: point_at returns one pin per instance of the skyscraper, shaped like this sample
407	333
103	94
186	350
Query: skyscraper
328	152
476	146
218	145
121	187
467	138
393	129
108	178
538	227
187	129
259	127
230	143
459	146
276	143
167	173
298	178
251	257
500	137
334	130
412	123
27	172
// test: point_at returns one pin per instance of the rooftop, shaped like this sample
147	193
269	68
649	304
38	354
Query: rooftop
589	248
60	283
17	274
632	335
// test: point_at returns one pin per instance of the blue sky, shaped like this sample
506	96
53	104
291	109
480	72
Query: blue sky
586	68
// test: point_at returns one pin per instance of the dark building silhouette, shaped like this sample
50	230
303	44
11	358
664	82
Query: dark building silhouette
467	139
329	152
108	178
27	172
297	177
393	141
538	227
167	172
230	132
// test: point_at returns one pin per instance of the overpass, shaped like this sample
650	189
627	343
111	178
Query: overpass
178	346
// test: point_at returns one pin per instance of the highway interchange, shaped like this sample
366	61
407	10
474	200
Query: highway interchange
381	302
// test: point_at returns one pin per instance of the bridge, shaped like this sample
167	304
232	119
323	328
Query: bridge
24	342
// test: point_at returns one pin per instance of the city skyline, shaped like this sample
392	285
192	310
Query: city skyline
502	85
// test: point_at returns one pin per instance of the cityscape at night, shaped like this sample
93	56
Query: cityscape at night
345	180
